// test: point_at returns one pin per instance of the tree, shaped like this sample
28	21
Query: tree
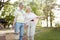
7	13
2	3
47	10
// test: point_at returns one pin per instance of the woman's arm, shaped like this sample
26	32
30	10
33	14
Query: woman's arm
40	17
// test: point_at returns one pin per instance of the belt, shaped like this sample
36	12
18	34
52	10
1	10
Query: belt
32	20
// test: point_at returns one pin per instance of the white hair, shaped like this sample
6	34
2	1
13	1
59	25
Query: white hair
28	7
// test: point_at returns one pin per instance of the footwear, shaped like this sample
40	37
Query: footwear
17	37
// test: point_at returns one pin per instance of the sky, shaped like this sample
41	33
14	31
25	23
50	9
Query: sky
57	12
12	1
58	1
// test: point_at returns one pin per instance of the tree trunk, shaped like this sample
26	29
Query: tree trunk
47	19
50	19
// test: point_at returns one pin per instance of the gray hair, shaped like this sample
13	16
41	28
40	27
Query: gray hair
21	3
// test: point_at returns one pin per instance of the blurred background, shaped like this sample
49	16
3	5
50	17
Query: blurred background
48	8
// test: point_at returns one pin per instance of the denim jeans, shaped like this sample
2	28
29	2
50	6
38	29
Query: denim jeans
19	29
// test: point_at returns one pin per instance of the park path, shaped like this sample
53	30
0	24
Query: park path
9	35
3	34
2	37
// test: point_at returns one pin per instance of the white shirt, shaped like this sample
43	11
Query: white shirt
29	16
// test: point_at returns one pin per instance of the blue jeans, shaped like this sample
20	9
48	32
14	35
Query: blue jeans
19	27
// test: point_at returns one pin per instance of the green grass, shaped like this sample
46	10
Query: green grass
52	34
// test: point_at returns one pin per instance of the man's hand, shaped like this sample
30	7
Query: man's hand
14	24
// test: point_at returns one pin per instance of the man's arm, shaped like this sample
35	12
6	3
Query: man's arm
15	15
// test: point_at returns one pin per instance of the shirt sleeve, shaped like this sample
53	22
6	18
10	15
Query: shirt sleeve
34	15
15	13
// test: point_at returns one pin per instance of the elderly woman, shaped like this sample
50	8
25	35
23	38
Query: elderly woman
31	19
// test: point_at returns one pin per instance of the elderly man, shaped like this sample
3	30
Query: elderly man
19	22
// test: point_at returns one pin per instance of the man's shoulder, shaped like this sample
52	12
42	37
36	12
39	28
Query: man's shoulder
23	11
16	10
32	13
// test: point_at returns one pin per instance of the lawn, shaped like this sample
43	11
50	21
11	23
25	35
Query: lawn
53	34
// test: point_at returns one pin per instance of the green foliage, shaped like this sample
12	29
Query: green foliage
16	4
57	24
35	8
47	9
7	13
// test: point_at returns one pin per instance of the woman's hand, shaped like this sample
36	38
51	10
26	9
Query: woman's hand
40	17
